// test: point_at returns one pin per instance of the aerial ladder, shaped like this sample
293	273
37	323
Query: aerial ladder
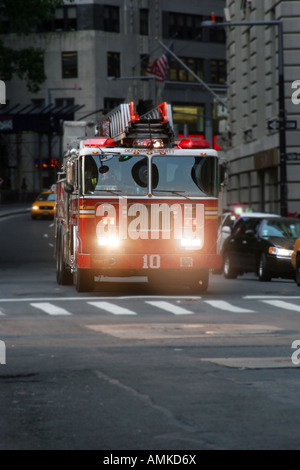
123	125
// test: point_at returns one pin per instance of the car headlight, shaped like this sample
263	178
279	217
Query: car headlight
280	252
35	208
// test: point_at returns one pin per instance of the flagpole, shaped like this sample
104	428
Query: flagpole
220	100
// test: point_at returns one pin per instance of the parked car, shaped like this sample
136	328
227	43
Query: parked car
44	205
261	245
229	218
296	260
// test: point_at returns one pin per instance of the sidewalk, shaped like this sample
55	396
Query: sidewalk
14	208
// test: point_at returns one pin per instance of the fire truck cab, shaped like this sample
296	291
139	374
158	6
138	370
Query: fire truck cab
137	201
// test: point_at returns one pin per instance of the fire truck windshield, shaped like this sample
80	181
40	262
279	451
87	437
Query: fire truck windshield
189	176
128	175
115	174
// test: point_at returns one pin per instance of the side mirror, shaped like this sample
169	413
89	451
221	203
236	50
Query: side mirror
69	188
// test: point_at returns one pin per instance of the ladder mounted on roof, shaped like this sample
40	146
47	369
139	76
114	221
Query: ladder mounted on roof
124	126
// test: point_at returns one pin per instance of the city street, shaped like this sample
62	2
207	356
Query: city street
157	140
128	368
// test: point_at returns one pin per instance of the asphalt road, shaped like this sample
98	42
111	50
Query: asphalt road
127	368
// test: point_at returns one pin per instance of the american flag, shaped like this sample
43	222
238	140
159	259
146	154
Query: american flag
159	67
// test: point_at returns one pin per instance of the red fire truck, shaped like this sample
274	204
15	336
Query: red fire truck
137	201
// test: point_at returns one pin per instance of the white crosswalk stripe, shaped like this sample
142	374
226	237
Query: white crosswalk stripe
112	308
223	305
50	309
283	305
167	306
137	306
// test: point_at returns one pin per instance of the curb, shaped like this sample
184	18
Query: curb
8	212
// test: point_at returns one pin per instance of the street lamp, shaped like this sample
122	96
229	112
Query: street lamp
282	123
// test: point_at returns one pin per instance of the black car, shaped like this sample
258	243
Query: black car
263	246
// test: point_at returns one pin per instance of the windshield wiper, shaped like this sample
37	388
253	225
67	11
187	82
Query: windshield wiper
173	191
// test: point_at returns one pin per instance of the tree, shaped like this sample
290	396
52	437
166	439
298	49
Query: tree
22	18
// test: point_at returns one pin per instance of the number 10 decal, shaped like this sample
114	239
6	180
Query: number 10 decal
151	261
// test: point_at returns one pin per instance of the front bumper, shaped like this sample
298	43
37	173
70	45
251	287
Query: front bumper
142	264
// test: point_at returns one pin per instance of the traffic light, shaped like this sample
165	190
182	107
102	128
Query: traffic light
46	163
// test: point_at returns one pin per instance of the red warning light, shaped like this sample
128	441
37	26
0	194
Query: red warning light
194	144
102	142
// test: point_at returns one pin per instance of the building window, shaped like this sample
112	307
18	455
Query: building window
69	65
65	19
64	102
113	64
182	26
189	118
144	22
179	74
218	71
111	19
111	103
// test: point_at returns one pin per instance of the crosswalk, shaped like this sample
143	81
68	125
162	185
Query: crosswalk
133	306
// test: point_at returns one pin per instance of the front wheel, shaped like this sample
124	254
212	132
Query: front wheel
229	271
263	270
63	273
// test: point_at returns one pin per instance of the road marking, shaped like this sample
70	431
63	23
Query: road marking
223	305
169	307
282	304
112	308
50	309
127	297
1	313
260	297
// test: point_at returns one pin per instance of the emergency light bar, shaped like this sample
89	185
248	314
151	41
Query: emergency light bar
194	144
102	142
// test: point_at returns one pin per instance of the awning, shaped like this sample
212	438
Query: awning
35	118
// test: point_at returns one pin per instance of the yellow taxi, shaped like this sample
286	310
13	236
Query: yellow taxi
44	205
296	260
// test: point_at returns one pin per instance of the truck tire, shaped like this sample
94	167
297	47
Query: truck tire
84	280
63	274
229	271
298	270
264	274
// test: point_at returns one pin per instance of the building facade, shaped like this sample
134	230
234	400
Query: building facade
264	160
95	57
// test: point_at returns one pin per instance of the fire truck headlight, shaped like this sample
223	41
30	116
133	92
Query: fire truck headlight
191	243
109	242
